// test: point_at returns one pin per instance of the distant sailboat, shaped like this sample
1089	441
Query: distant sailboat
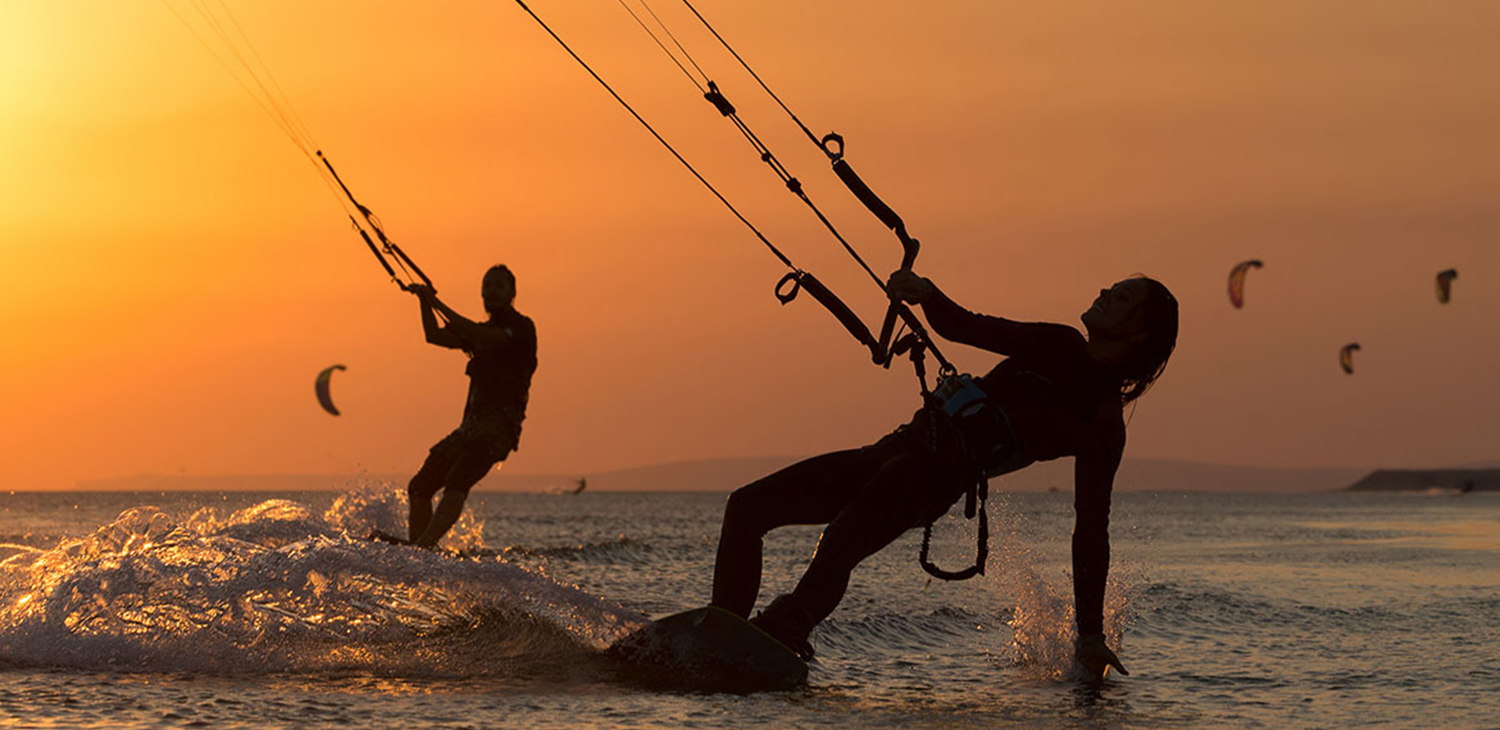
583	484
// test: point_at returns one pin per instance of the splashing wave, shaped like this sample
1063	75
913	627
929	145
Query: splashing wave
276	588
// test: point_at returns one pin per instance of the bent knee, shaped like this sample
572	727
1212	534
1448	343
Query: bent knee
748	512
423	486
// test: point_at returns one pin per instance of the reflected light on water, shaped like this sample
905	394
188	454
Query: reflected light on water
1446	535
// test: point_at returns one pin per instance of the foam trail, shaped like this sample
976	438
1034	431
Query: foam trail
275	588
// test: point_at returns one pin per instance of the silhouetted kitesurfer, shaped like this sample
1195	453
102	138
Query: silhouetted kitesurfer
1057	394
502	358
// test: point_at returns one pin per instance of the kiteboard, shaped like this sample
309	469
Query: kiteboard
709	649
378	536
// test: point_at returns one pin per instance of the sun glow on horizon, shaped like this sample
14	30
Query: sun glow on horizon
175	268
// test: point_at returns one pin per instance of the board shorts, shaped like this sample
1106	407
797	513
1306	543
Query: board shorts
465	456
491	436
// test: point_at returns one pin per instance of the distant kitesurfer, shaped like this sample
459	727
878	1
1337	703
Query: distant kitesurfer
502	358
1057	394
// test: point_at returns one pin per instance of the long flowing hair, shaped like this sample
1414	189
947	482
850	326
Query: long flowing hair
1159	319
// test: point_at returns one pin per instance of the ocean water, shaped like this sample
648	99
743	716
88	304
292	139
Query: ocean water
125	610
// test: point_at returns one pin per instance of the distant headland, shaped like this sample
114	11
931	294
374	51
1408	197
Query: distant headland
1406	480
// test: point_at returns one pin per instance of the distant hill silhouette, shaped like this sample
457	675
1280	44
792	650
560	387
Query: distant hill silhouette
725	474
1459	480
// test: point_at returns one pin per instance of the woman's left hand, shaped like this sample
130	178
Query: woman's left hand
908	287
1096	657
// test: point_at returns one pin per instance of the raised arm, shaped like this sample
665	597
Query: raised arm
460	332
995	334
432	329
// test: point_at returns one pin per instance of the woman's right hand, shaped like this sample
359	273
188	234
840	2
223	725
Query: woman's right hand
908	287
422	291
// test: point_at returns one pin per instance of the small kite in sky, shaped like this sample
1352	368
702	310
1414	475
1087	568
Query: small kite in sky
322	388
1237	281
1445	284
1346	357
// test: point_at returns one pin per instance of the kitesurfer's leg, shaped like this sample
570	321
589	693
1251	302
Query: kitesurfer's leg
810	492
466	472
906	492
449	509
424	485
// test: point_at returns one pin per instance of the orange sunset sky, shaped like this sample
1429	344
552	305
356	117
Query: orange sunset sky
173	274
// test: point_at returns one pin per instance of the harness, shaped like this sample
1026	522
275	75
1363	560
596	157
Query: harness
988	447
986	440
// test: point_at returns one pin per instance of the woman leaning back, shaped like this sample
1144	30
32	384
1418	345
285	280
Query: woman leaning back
1056	394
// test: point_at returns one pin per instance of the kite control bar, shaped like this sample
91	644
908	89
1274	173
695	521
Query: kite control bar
389	247
832	145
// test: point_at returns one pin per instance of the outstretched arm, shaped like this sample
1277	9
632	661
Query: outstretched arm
996	334
1093	480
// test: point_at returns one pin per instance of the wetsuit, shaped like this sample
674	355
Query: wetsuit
499	383
1059	402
